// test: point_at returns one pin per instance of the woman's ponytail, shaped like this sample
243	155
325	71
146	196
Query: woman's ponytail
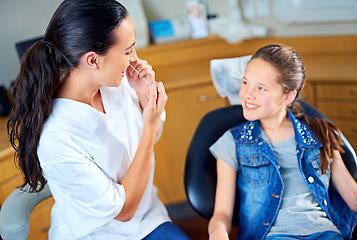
33	96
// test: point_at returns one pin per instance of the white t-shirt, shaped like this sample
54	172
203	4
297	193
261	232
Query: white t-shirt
84	153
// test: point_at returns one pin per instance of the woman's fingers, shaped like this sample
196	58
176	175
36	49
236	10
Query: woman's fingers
162	96
141	69
152	96
156	103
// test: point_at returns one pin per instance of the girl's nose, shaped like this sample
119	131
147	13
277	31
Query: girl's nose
249	93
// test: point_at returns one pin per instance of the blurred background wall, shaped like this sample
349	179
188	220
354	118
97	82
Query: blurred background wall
26	19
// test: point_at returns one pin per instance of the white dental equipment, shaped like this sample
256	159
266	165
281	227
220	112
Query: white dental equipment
233	29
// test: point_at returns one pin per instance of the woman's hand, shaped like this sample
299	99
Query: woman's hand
156	103
140	75
152	95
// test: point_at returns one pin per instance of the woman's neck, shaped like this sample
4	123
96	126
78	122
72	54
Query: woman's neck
77	86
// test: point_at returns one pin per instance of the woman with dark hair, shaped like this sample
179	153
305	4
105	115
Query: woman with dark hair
86	123
281	161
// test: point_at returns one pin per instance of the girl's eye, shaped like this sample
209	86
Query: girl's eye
245	82
129	52
261	89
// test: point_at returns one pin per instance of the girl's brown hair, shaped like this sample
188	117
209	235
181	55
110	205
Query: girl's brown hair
290	67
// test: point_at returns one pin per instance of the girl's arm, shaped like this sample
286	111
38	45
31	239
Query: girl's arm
136	178
343	181
221	221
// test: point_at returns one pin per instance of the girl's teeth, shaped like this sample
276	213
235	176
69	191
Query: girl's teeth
251	105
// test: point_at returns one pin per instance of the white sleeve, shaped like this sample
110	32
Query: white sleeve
87	197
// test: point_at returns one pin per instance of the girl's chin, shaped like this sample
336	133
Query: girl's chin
249	116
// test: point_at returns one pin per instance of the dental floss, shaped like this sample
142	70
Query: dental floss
140	75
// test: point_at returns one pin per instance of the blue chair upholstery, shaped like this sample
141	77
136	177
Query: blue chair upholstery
15	212
200	171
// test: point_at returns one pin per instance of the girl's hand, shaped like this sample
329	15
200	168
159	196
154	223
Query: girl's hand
156	103
219	236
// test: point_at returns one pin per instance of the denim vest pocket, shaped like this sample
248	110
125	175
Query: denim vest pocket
325	178
255	169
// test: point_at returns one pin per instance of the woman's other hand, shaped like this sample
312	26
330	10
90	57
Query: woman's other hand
156	103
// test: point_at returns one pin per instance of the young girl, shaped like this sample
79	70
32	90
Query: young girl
86	122
281	161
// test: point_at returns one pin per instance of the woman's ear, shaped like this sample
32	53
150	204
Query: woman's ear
290	97
91	59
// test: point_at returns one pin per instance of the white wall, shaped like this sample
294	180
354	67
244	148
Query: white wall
25	19
20	20
170	8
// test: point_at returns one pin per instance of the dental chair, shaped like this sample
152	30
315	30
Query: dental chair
200	170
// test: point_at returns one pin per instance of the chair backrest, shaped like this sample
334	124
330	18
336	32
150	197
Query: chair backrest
200	171
16	210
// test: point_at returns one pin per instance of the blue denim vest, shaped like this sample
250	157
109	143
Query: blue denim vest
260	185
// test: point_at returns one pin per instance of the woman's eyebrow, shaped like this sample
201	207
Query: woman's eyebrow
130	46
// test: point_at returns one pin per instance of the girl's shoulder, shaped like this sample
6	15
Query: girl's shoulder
243	125
246	131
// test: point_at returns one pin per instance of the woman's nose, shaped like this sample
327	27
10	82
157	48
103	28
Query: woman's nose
133	55
132	59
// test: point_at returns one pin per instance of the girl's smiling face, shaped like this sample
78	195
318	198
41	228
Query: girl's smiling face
261	95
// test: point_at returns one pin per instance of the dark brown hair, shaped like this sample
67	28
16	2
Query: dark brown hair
290	67
77	27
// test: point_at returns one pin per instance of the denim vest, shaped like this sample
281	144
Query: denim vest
260	185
